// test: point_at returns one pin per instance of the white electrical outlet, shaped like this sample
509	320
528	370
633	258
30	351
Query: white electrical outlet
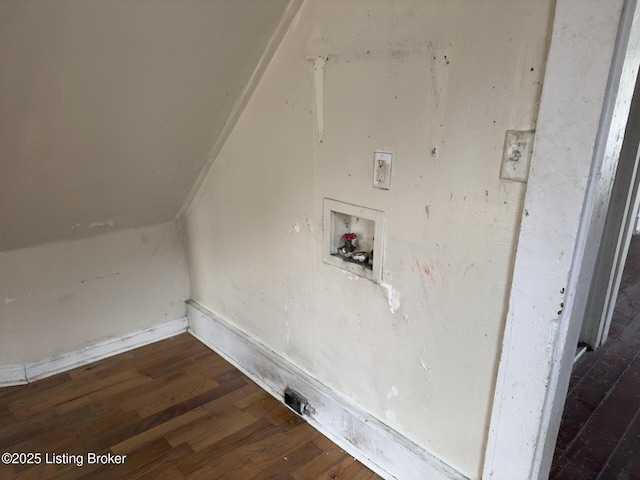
382	170
518	146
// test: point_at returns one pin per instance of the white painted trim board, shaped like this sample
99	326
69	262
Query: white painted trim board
26	373
546	303
376	445
12	375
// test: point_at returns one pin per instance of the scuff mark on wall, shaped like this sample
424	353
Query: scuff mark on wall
425	268
392	296
8	300
424	365
466	270
65	298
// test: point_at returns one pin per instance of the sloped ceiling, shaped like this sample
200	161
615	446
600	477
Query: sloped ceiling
109	108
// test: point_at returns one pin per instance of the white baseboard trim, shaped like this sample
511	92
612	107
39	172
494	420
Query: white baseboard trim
21	374
382	449
12	375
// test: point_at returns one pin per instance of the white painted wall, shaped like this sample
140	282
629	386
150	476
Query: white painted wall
109	109
60	297
438	84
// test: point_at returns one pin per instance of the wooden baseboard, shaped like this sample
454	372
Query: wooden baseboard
376	445
26	373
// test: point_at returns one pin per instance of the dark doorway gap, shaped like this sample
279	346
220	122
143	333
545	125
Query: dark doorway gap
599	435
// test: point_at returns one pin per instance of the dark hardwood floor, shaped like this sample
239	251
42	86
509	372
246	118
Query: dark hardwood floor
176	410
599	436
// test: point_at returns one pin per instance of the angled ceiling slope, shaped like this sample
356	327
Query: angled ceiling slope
109	110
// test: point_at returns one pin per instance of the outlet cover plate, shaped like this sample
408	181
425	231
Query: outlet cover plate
382	169
518	146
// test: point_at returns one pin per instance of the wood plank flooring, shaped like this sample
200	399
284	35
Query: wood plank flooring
599	437
176	410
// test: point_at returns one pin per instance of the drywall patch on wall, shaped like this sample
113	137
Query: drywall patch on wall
319	63
65	296
392	296
104	223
